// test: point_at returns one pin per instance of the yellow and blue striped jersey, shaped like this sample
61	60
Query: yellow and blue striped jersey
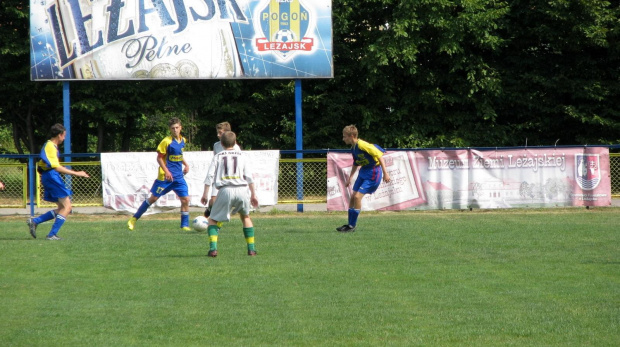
366	156
173	157
49	157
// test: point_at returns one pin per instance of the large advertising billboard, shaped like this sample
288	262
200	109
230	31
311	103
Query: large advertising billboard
180	39
468	178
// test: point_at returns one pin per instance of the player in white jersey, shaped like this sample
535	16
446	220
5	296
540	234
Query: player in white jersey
217	148
230	173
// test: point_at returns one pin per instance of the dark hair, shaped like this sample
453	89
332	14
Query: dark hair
223	126
228	139
56	130
174	121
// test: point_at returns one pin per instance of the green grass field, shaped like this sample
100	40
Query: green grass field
442	278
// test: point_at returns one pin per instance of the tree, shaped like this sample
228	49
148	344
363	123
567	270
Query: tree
417	74
437	73
25	105
561	72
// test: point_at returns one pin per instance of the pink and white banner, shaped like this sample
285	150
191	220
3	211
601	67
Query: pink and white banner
460	179
128	177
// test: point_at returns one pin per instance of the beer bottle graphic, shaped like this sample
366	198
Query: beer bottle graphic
142	45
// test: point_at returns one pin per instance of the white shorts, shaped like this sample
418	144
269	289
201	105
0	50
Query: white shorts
231	200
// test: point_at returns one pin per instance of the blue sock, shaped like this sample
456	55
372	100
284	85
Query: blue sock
184	219
49	215
145	206
60	220
353	214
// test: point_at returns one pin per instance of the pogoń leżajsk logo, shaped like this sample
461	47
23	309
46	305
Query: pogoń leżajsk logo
284	25
587	171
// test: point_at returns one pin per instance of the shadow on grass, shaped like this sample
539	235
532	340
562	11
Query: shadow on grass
25	238
183	256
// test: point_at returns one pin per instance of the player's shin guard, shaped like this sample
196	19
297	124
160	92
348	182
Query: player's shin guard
49	215
184	219
213	232
249	238
60	220
353	214
145	206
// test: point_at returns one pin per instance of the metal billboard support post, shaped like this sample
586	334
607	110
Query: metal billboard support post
299	146
31	183
66	108
66	103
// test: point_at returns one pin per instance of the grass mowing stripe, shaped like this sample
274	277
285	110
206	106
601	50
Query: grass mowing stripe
517	277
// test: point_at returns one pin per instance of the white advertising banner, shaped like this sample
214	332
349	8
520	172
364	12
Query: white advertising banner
127	179
461	179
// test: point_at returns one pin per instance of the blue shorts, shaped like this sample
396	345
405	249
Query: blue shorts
179	186
54	186
368	185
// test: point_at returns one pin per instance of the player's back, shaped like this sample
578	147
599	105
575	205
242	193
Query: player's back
217	147
231	169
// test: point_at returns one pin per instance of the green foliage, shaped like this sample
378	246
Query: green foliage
561	71
432	73
27	108
518	277
6	141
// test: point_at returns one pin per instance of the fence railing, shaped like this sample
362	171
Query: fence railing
86	192
15	181
311	187
614	172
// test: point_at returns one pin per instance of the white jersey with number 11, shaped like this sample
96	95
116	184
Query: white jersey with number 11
228	168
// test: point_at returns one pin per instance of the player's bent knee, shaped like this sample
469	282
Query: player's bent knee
246	221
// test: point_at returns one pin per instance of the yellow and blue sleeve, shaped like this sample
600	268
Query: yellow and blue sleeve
49	156
162	149
373	151
163	145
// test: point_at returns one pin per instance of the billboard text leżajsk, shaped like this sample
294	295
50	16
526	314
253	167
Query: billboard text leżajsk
180	39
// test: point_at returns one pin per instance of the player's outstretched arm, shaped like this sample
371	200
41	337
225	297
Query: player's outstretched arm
64	170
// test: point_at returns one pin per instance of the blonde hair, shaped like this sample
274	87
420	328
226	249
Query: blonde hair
350	130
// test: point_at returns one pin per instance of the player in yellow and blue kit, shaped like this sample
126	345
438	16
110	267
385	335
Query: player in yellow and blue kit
369	159
53	185
172	169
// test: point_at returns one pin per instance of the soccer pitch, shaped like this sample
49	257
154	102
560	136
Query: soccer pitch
440	278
